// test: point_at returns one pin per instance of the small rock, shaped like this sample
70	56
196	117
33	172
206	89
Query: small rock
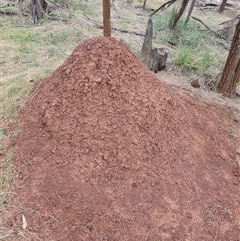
195	84
173	42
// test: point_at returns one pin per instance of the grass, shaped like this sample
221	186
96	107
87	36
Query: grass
11	97
189	59
31	53
6	175
84	7
195	51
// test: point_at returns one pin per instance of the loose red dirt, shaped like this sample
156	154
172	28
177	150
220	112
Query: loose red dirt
107	151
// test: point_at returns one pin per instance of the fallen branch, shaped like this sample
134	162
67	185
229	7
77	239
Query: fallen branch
123	31
206	8
57	19
6	5
232	9
203	11
52	3
95	23
220	36
230	21
9	13
146	8
169	3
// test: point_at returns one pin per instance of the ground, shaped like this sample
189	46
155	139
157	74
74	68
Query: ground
108	151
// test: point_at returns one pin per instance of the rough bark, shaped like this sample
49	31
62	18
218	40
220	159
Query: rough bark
154	59
106	18
231	73
223	5
147	45
37	8
179	14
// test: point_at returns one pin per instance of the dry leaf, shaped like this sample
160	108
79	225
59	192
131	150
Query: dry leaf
24	222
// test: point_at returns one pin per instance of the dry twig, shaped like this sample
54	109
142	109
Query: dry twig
220	36
169	3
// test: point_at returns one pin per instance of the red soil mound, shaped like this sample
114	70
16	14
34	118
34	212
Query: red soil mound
109	152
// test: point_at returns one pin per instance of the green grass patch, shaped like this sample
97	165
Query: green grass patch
11	97
31	38
21	35
190	59
186	58
194	50
83	7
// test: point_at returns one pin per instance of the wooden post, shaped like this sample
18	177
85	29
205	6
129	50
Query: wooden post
106	18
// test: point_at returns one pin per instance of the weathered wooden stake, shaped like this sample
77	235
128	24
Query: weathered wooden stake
106	18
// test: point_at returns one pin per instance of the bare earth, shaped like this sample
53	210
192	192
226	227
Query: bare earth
108	151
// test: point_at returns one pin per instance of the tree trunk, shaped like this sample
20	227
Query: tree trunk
106	18
190	10
179	14
144	4
37	7
231	73
223	5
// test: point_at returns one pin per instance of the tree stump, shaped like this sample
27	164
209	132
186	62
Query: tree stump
37	8
158	59
147	45
155	59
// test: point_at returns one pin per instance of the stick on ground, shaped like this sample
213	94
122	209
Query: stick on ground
220	36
